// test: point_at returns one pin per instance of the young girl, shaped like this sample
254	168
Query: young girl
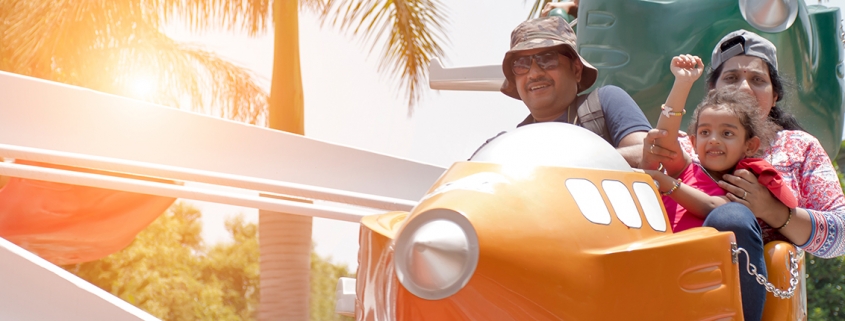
726	130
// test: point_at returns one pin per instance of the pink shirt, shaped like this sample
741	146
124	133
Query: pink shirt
693	176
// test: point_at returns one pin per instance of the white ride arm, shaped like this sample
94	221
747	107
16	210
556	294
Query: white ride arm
478	78
54	123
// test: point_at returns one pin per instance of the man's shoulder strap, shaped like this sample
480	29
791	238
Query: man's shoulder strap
591	115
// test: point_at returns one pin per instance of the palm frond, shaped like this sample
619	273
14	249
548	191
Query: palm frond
108	47
183	77
245	15
411	32
314	6
234	91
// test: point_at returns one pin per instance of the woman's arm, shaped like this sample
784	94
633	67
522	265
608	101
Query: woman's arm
822	199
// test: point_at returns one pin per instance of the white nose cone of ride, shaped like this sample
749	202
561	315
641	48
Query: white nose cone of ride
438	249
436	254
552	144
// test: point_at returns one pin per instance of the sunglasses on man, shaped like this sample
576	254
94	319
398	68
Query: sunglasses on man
546	60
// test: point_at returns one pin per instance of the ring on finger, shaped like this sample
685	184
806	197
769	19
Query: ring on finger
651	149
744	194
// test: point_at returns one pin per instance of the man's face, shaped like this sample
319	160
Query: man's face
547	89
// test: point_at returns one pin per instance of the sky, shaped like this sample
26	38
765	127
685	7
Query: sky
348	102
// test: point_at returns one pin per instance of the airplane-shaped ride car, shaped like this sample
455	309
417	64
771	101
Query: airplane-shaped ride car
548	222
516	233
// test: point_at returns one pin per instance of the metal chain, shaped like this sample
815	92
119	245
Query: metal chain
793	272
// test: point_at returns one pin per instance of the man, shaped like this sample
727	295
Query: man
544	70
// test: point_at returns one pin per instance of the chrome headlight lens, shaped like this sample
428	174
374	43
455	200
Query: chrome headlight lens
769	15
436	254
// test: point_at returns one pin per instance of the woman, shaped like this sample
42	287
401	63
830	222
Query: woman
748	61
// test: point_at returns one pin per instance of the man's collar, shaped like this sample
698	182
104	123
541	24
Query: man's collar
530	119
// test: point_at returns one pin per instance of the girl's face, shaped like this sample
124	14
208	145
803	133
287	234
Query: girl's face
720	140
750	74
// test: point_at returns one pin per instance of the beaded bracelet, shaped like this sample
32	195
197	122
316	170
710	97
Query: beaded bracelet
789	217
674	187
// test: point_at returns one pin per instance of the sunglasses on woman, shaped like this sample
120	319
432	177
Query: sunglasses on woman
547	60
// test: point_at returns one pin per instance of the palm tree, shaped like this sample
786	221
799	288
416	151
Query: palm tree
405	27
98	43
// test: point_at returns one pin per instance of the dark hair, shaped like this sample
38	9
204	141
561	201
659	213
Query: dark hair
777	114
745	107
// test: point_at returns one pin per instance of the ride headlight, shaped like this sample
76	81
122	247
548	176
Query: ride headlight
769	15
436	254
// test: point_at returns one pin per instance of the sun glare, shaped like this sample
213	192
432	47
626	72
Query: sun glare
142	86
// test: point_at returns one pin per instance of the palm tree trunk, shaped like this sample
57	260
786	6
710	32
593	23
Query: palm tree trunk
285	239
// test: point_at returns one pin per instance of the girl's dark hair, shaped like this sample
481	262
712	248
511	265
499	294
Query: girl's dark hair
777	114
744	106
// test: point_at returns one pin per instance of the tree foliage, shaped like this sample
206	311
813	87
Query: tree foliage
825	282
324	276
109	45
169	272
118	47
410	32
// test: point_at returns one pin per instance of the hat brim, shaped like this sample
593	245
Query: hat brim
588	73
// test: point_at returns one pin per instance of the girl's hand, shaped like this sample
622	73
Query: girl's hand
663	181
687	68
660	177
743	187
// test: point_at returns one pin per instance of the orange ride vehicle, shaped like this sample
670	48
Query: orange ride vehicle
548	222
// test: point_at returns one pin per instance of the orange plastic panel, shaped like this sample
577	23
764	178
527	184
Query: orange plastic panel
376	276
777	265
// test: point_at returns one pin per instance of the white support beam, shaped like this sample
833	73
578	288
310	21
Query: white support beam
33	289
55	117
199	176
478	78
180	191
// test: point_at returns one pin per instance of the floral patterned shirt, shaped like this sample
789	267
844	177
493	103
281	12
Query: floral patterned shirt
807	170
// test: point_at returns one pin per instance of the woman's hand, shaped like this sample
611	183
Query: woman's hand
743	187
566	6
686	68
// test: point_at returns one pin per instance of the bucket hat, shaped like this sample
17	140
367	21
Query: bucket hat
548	32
